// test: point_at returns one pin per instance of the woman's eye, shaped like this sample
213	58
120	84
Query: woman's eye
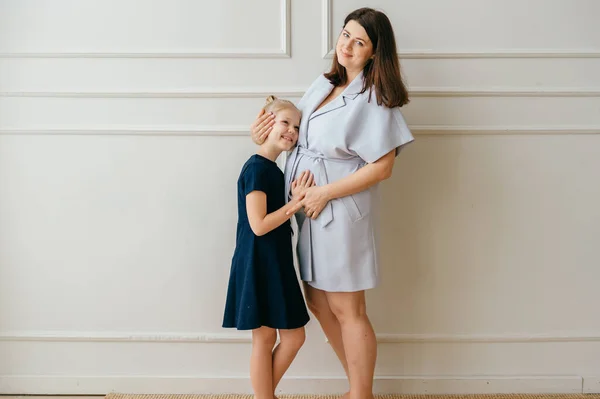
346	35
359	43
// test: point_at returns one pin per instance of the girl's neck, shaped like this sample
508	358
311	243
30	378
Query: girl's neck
268	152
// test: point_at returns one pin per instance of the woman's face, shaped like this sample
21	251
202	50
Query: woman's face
285	130
354	48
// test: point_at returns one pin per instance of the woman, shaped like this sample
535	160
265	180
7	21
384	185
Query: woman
350	134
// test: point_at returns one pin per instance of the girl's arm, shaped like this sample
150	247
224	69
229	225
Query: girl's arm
260	222
256	206
317	197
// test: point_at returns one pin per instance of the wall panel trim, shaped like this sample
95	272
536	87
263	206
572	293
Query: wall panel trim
435	130
328	38
210	337
283	52
298	92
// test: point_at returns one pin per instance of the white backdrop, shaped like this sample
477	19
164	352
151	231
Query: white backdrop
123	127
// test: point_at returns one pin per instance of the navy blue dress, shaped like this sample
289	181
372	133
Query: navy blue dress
263	287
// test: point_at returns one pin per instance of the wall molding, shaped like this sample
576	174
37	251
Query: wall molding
211	94
283	52
158	384
241	131
503	92
326	24
129	131
299	92
382	338
157	337
495	53
591	384
455	130
327	47
475	338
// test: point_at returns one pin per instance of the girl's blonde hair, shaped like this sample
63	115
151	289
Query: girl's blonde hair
274	104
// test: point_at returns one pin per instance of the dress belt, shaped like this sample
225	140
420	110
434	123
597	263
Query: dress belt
305	250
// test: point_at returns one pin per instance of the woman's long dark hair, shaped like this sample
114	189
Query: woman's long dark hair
383	71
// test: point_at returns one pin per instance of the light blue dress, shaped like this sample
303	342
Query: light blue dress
337	252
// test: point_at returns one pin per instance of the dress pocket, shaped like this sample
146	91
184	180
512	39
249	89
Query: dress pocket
357	205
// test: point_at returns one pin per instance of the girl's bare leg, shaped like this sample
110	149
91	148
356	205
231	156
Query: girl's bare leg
290	342
261	367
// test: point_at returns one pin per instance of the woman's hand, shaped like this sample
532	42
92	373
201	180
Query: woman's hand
314	201
302	183
262	126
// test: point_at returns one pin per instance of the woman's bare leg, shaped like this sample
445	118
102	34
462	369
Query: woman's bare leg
319	306
358	339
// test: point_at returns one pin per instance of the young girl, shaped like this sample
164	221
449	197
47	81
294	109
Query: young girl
264	293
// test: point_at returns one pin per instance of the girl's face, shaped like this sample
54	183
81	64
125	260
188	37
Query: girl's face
354	48
285	130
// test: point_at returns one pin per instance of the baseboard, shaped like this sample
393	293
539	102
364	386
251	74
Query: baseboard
90	385
591	384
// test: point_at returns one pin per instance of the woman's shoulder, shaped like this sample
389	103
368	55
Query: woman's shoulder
320	82
321	79
368	103
368	110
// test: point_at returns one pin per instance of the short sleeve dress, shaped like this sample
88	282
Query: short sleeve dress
263	286
338	252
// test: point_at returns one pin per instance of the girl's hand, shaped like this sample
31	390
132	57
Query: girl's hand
302	183
262	126
314	201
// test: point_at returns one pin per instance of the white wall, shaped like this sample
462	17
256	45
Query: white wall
123	126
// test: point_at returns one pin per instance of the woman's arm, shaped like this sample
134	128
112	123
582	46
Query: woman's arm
317	197
262	126
362	179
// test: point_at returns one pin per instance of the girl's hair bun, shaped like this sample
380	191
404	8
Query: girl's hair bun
274	104
270	99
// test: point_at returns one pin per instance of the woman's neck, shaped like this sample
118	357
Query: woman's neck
351	75
269	153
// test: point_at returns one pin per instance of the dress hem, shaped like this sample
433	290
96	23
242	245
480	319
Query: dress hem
266	325
365	288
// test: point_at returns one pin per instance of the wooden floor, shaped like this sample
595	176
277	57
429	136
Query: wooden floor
49	397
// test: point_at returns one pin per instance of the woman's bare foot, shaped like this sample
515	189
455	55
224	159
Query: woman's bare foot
347	396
